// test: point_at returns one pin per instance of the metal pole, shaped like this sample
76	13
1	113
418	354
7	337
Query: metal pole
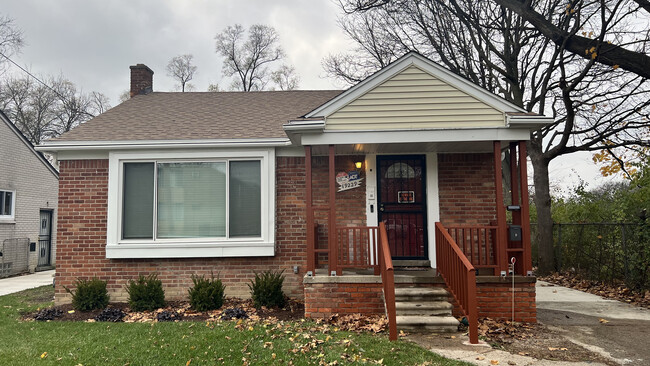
625	259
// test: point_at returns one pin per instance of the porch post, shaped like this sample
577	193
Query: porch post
311	242
514	182
502	255
525	209
332	257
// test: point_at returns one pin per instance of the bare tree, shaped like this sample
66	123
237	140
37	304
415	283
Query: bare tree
285	78
11	40
213	88
595	106
250	59
181	69
44	111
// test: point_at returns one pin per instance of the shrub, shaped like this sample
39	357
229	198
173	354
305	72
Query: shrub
146	293
90	294
207	293
266	289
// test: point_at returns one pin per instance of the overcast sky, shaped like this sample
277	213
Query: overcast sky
93	43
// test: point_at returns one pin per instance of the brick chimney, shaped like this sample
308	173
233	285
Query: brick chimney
141	80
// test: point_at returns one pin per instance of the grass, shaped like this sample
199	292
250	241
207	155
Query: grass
193	343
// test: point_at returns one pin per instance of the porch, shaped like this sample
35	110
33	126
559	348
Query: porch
467	257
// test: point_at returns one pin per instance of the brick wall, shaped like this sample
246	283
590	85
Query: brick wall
495	301
466	188
325	299
82	232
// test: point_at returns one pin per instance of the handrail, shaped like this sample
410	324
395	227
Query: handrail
459	275
388	281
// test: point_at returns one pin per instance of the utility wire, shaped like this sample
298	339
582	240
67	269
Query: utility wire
35	77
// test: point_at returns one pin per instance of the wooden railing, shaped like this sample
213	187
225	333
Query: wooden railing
356	247
459	275
388	281
478	243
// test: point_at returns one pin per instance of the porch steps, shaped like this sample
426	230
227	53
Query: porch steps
424	309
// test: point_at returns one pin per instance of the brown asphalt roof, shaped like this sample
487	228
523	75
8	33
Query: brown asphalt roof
184	116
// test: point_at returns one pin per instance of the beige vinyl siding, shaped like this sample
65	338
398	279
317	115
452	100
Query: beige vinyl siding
414	99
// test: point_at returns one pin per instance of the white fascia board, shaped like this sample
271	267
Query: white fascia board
304	125
425	64
387	137
530	122
162	144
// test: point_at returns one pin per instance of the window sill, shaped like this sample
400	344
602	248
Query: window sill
7	221
190	250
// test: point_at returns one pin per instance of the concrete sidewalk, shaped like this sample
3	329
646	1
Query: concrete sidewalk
16	284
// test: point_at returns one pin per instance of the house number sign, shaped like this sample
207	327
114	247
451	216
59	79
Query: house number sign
348	180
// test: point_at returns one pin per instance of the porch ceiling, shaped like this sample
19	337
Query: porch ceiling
407	148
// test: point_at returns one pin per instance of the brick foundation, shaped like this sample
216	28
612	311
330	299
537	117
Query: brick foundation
327	296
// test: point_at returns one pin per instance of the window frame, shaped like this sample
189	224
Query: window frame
264	245
9	219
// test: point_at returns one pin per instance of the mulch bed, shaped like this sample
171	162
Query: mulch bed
617	292
176	311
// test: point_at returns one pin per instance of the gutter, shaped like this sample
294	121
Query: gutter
170	144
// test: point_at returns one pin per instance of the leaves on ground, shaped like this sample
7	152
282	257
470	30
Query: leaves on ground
617	292
505	331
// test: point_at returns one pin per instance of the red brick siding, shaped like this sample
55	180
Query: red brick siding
325	299
466	189
495	301
82	223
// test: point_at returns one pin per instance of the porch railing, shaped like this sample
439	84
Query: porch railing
478	243
459	275
388	281
357	247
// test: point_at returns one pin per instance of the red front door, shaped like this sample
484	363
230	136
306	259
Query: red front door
402	204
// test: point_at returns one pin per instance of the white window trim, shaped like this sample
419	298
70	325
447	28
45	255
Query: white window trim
11	218
191	247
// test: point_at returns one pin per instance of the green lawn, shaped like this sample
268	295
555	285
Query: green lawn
297	343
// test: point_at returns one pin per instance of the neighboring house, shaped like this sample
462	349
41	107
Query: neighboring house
29	191
237	182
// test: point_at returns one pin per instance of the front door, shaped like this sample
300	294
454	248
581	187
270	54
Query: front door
402	204
45	239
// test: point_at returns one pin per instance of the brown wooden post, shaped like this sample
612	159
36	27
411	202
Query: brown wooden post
331	230
501	211
311	234
525	209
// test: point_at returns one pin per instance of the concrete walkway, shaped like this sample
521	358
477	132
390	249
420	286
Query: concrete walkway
617	331
16	284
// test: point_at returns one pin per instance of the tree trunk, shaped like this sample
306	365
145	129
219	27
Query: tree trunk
545	252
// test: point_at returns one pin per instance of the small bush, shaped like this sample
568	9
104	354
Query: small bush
90	294
146	293
206	294
266	289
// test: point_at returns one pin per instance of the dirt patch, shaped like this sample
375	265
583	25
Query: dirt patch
181	310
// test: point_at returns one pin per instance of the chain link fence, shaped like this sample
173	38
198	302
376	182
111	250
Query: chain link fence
14	256
607	252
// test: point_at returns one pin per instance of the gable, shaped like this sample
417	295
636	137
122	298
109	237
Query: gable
414	99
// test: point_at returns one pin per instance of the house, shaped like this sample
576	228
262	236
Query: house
233	182
28	204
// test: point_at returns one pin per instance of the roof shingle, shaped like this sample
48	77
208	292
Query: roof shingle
185	116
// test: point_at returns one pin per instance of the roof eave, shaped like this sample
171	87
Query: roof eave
55	146
530	122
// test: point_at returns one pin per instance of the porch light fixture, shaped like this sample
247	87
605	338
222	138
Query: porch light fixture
358	164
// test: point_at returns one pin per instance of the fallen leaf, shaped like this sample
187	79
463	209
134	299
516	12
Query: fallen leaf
44	354
494	362
603	321
70	311
188	362
480	358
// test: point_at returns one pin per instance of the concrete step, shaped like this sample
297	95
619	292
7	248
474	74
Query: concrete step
424	308
439	324
421	294
412	263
